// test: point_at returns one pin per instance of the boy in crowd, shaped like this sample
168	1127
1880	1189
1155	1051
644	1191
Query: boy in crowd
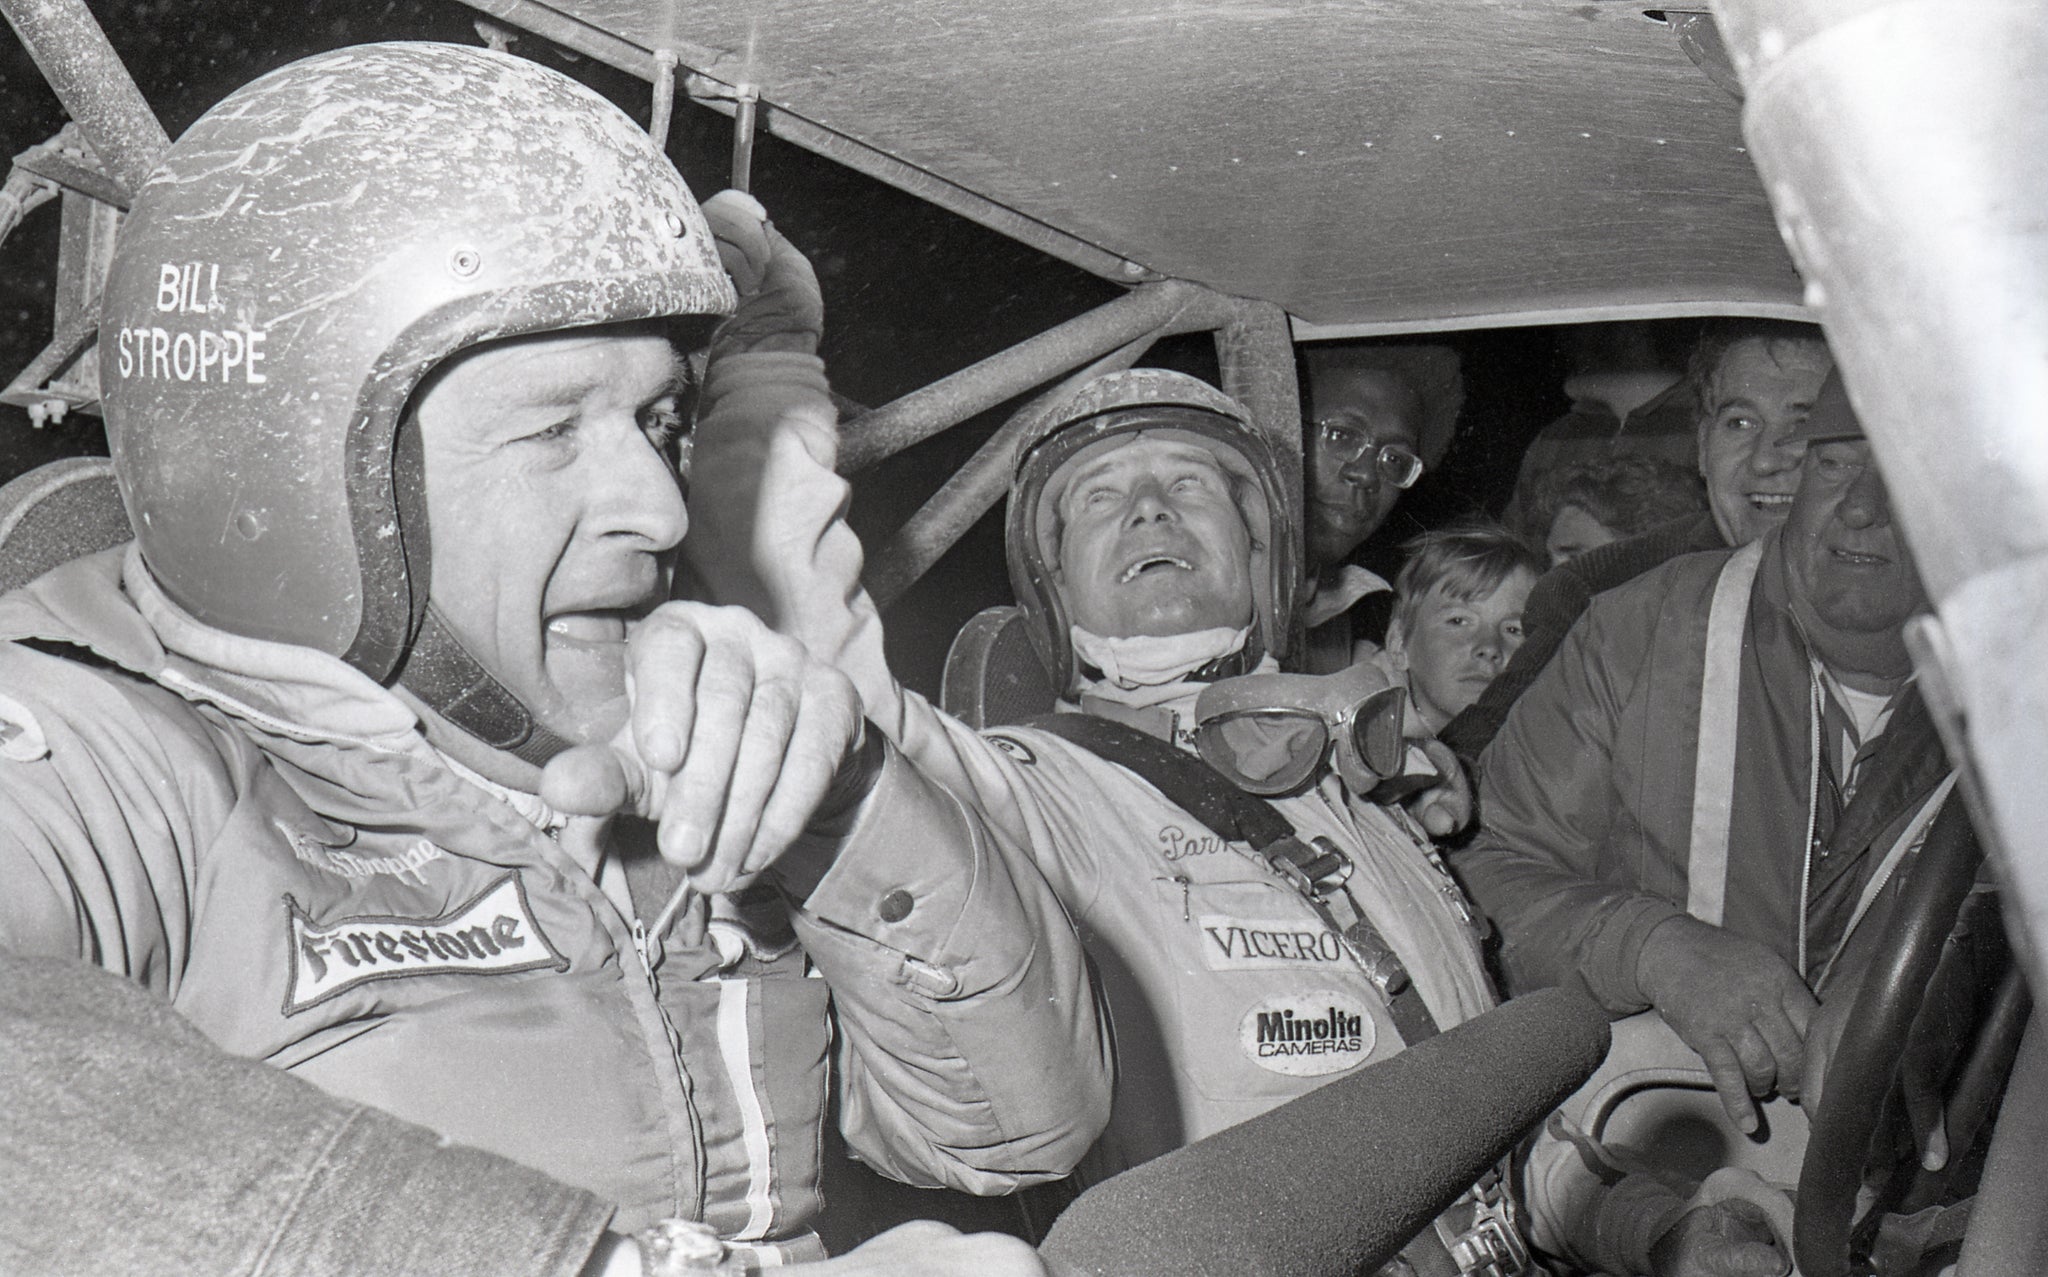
1458	614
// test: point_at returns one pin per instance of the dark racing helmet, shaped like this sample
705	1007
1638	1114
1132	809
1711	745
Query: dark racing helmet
301	258
1148	399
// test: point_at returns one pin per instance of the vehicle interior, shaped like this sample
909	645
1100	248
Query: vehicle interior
1216	187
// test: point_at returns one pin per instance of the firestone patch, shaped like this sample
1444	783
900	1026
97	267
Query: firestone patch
493	933
1307	1034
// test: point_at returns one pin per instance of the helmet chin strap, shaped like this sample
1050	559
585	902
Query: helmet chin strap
440	671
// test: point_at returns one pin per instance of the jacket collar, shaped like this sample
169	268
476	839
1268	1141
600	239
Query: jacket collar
351	747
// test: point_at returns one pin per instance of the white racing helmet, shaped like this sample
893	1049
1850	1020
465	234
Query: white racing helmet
1148	399
301	258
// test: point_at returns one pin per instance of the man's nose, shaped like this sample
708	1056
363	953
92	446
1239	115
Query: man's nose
1867	503
1149	502
1777	451
639	493
1363	470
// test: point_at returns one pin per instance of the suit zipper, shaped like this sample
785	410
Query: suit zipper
645	947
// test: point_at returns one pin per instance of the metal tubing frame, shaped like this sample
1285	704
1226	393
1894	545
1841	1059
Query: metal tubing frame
80	64
1156	309
126	141
971	491
64	377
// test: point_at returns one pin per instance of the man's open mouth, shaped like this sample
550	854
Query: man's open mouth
1857	559
589	629
1775	502
1153	563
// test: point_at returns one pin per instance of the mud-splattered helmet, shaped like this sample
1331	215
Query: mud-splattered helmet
1124	403
303	255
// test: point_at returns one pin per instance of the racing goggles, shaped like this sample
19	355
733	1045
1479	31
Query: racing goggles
1272	733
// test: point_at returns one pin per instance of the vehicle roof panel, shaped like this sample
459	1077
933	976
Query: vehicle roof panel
1367	164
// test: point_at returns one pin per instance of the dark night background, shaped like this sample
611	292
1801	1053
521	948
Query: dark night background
912	292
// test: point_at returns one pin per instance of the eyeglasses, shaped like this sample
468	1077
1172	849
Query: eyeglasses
1272	733
1396	463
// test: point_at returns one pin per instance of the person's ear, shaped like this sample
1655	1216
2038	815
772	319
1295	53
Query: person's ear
1397	645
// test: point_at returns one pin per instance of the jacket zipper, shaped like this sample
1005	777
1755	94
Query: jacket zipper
645	947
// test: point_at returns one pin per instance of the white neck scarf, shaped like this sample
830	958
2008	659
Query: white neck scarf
1135	666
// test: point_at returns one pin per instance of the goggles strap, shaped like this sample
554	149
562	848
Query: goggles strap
1319	871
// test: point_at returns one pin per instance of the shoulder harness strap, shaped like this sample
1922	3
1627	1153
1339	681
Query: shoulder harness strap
1314	867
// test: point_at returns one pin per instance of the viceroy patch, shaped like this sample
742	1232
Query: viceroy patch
1307	1034
493	933
1269	944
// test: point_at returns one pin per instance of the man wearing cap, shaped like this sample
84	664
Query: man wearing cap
1711	785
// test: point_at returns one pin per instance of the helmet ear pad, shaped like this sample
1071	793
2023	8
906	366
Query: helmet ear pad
409	500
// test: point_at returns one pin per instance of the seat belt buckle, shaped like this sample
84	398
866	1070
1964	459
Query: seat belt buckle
1493	1245
1315	868
1489	1250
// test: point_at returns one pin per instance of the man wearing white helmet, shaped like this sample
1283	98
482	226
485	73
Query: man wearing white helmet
379	754
1154	538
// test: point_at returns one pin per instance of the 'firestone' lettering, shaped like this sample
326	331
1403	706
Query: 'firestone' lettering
493	932
364	949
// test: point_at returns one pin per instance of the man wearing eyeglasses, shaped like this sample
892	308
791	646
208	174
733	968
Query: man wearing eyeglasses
1378	417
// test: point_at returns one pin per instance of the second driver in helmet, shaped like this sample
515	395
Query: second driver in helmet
1153	546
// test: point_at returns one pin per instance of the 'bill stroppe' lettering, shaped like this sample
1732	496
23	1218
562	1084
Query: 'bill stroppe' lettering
494	932
405	863
205	354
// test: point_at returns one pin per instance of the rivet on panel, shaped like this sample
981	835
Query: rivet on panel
674	221
464	262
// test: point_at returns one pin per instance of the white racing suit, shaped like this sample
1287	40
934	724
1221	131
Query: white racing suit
1228	992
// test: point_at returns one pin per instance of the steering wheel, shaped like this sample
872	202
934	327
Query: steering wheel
1868	1058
